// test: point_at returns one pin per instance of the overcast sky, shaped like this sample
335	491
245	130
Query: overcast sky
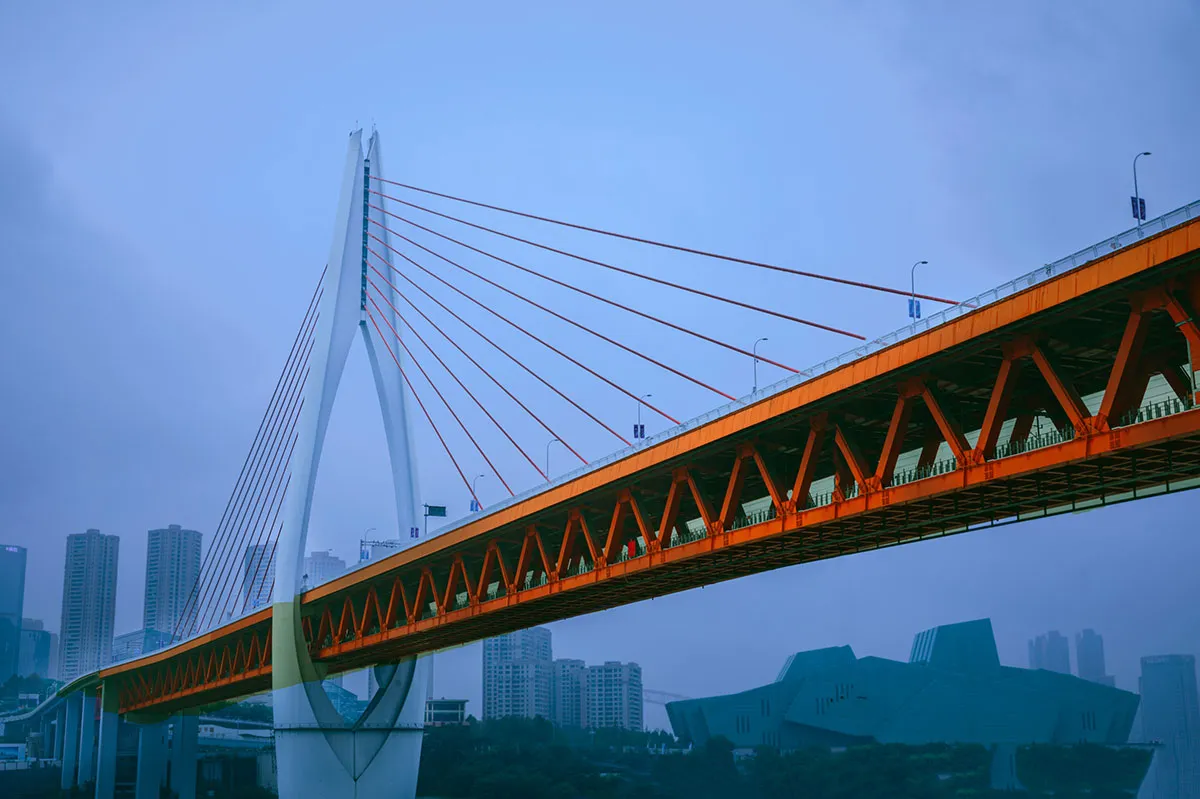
168	180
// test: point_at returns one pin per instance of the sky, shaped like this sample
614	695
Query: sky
169	177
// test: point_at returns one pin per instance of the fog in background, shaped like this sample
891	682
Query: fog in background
168	180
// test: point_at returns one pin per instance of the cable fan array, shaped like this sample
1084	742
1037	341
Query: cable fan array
411	278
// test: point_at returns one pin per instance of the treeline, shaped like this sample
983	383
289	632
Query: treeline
530	759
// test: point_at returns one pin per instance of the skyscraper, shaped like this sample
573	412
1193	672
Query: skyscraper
568	689
1171	719
258	576
517	673
88	603
172	568
35	649
1089	658
12	605
1051	652
614	696
323	566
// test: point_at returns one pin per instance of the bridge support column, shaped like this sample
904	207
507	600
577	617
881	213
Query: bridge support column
318	753
70	738
184	741
106	746
60	723
151	760
87	740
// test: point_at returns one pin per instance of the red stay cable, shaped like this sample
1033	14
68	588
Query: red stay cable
576	289
445	402
272	536
313	302
515	360
621	269
478	365
437	432
553	313
541	341
263	527
666	246
450	372
583	292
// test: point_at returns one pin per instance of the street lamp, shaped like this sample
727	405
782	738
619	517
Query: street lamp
754	350
548	443
639	431
1138	213
914	310
476	505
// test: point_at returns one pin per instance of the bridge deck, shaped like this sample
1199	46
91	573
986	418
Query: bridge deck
869	454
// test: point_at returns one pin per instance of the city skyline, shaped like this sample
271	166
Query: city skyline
984	144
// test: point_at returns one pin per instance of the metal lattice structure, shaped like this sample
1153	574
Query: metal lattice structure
1073	393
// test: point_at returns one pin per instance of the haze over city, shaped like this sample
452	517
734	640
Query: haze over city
169	176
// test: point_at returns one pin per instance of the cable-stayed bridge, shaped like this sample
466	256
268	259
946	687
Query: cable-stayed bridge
1069	388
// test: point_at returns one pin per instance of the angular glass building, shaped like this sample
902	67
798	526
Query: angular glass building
952	690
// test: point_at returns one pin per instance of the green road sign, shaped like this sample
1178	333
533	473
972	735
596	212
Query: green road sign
435	510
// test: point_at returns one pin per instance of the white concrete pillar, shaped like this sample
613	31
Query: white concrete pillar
60	723
70	739
87	740
151	760
106	748
184	742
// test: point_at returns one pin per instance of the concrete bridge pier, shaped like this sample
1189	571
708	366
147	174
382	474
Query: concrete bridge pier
319	754
185	732
60	723
106	746
70	738
151	760
86	773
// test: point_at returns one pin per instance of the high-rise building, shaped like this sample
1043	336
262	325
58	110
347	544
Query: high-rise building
35	649
614	696
138	643
321	567
1051	652
1171	720
88	603
517	674
258	576
1089	658
52	673
172	568
12	605
568	688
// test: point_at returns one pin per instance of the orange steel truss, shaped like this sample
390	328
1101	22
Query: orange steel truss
811	472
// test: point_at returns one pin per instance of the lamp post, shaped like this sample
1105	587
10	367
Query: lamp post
476	505
638	430
1138	215
754	350
914	310
363	555
548	443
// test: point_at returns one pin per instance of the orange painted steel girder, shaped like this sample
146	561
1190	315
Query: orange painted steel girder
967	369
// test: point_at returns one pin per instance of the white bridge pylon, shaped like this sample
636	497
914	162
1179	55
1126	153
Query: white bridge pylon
318	754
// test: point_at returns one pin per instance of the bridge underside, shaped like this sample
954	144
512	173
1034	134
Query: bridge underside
1074	393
